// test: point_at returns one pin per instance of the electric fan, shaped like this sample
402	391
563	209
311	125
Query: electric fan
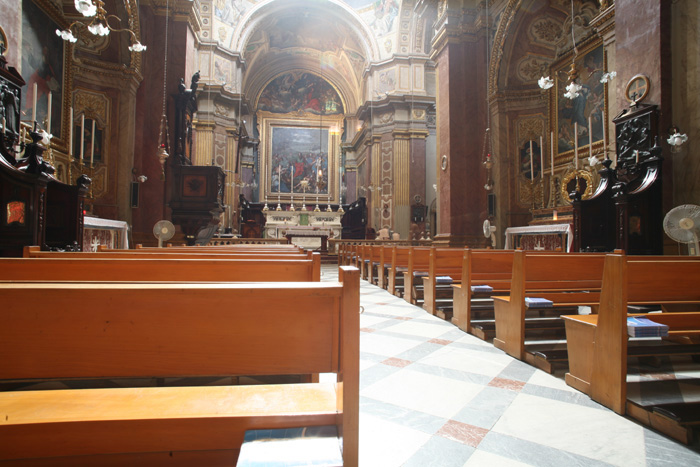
682	224
489	232
163	231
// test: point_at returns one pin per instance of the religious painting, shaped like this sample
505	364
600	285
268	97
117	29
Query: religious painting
300	155
587	107
530	172
300	92
299	160
42	67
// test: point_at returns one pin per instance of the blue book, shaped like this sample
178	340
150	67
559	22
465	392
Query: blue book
644	327
443	280
532	302
482	288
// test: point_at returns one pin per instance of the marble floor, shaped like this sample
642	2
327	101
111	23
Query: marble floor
432	395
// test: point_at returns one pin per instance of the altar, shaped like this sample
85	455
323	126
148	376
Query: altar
307	229
540	237
111	233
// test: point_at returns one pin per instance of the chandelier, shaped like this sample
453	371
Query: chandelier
98	24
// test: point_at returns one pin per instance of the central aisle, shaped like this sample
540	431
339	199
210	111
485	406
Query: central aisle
432	395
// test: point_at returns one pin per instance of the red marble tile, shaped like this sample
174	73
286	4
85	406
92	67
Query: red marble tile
367	330
506	384
397	362
403	318
440	341
462	432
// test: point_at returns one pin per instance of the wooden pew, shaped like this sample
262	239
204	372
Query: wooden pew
35	252
599	346
569	280
370	260
418	264
480	267
160	269
383	266
84	330
442	262
399	264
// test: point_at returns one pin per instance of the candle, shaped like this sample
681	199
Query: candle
590	137
279	179
605	135
551	150
48	115
541	159
532	169
92	149
292	179
576	145
70	135
82	139
34	90
636	156
3	125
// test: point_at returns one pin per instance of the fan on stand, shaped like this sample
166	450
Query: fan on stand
682	224
163	231
489	232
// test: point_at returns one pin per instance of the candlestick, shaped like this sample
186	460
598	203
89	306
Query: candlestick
48	115
541	158
551	150
576	145
590	137
82	139
605	135
34	103
92	149
532	169
70	135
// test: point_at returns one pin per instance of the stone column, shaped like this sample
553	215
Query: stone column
402	182
231	193
461	120
204	142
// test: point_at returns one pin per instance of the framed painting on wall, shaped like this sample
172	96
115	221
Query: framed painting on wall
43	67
300	155
566	114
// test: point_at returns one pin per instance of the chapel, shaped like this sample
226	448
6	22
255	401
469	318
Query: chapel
528	126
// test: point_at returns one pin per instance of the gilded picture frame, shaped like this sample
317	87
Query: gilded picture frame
46	62
305	145
591	64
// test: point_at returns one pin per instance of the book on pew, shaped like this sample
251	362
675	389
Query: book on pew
482	288
644	327
316	445
443	280
420	274
534	302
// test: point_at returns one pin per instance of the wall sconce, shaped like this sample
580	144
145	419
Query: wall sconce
676	139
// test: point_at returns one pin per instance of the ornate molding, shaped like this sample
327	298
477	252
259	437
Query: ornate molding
93	104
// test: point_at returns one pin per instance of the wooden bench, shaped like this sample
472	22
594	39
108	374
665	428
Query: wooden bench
399	264
569	280
35	252
598	345
492	268
418	265
84	330
161	269
437	295
383	266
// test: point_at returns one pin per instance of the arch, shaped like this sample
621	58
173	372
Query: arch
342	12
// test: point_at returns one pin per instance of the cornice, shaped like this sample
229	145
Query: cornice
178	10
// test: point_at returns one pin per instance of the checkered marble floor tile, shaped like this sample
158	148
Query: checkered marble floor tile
432	395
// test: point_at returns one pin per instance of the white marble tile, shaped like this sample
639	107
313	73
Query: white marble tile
598	434
421	329
483	458
385	345
435	395
483	363
367	320
541	378
387	444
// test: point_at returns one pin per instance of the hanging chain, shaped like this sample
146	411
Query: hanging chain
164	118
